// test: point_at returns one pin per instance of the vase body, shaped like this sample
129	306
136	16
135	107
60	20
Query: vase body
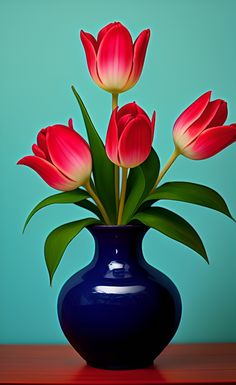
119	312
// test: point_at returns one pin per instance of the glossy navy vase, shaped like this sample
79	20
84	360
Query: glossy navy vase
119	312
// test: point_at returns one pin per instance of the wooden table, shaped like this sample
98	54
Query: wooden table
60	364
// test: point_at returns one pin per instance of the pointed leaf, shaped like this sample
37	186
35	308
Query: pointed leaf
151	169
64	197
140	182
173	226
191	193
58	240
135	189
103	168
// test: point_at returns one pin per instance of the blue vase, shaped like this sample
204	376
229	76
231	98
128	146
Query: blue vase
119	312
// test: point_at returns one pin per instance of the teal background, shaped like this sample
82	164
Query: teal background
192	49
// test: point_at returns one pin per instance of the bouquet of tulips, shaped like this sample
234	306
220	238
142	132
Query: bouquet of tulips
120	181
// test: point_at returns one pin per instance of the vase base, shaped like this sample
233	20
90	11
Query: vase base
128	366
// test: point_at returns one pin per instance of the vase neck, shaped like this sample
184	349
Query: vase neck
117	243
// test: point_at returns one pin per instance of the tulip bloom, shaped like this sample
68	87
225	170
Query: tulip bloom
114	61
199	132
61	157
129	136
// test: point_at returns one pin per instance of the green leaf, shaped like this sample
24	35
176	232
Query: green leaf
191	193
173	226
64	197
151	169
135	190
103	168
140	182
58	240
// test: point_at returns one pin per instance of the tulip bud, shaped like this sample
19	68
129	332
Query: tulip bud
199	132
114	61
61	157
129	136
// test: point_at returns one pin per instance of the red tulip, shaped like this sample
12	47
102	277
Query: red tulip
129	136
114	61
61	157
199	132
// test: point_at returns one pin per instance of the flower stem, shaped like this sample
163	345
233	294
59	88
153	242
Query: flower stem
122	197
117	183
166	168
116	168
114	101
98	202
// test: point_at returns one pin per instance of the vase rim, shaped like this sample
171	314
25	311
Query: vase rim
136	225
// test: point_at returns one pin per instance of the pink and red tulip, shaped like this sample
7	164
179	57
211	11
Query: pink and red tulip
199	132
114	61
129	136
61	157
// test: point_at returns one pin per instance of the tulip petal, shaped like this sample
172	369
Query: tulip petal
153	122
136	110
129	108
112	138
123	121
211	141
221	115
135	143
140	48
200	124
92	39
190	115
114	58
38	152
41	141
90	51
69	153
70	124
49	173
104	30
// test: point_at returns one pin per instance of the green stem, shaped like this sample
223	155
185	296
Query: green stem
117	183
122	196
116	168
98	202
114	101
166	168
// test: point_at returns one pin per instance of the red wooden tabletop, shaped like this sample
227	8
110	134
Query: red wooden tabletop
60	364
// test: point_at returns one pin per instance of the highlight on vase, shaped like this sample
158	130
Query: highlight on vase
61	157
129	136
115	63
199	132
